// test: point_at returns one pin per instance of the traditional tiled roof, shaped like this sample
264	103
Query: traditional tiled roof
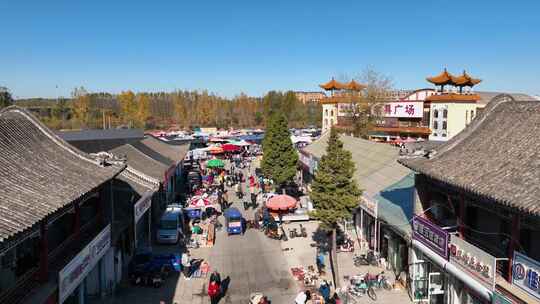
169	154
41	173
141	162
496	157
93	141
332	85
464	80
376	165
139	181
443	78
354	86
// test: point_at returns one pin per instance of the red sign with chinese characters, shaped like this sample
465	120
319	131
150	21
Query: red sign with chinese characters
403	109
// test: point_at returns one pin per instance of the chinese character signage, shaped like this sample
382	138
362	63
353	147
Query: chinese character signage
430	235
403	109
526	274
74	273
472	260
141	206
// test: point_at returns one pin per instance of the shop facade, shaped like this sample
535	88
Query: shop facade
445	269
367	225
87	273
142	219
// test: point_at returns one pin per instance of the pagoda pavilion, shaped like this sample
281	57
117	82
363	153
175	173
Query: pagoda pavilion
336	107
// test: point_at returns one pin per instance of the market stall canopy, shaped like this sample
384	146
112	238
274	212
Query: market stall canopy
281	202
215	150
215	163
230	148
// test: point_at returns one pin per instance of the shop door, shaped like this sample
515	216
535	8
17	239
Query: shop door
418	286
435	288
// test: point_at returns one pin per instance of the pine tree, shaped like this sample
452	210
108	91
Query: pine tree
334	192
279	156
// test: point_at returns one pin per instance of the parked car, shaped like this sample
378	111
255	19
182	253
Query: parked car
171	225
146	261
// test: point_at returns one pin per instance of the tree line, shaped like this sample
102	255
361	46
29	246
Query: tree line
163	110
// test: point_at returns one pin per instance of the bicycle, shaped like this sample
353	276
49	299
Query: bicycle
364	286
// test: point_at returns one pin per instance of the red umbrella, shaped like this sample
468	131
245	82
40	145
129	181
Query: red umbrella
281	202
230	148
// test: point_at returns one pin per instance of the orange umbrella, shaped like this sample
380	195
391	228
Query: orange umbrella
281	202
215	150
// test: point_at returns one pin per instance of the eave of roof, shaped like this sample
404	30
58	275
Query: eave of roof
41	173
496	157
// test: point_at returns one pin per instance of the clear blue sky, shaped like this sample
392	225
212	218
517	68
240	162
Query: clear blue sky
254	46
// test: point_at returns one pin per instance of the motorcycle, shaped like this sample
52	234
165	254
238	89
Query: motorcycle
347	246
366	259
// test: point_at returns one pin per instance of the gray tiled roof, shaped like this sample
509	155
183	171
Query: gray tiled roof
139	181
495	157
141	162
161	151
40	172
98	134
486	97
376	163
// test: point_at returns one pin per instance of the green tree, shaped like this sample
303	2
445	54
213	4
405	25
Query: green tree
334	192
279	156
5	97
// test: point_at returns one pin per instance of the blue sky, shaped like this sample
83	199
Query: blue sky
254	46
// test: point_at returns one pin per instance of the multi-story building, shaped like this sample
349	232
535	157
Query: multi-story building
309	97
337	109
476	234
403	119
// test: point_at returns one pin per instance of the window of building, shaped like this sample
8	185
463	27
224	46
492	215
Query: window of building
444	125
435	124
326	112
436	114
332	113
326	122
444	135
331	122
435	134
445	113
466	117
472	115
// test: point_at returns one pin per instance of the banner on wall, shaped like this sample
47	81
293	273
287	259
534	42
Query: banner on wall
431	235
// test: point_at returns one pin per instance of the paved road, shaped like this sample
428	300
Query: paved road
253	262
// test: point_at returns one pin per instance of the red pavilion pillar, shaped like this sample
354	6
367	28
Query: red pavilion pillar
43	252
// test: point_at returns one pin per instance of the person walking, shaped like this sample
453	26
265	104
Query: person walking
213	292
303	297
215	277
186	265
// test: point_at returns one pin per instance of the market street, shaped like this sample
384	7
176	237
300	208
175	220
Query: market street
253	262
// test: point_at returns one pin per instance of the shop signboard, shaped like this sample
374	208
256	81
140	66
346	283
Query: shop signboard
403	109
430	235
526	274
141	207
369	205
74	273
474	261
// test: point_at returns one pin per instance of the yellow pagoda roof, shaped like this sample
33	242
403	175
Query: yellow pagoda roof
332	85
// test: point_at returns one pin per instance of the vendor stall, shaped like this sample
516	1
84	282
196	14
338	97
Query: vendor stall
286	208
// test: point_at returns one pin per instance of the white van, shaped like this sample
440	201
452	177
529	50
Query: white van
171	225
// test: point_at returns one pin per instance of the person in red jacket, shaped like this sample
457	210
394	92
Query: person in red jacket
213	292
